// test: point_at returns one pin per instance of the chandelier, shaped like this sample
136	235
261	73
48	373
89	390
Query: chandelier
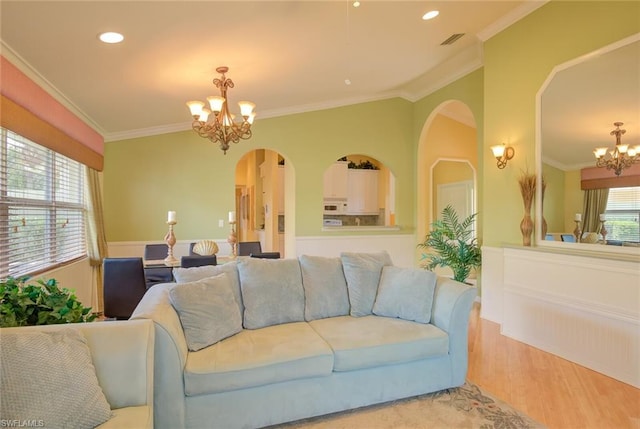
621	157
220	127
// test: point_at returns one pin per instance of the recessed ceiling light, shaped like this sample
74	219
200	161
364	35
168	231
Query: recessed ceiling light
430	15
111	37
356	4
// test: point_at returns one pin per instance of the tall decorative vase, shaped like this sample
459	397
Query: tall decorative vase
527	184
543	223
526	227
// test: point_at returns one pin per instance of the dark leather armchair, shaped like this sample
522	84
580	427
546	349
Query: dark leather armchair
155	251
266	255
246	248
198	260
124	286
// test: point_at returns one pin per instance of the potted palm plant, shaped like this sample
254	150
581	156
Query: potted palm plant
451	244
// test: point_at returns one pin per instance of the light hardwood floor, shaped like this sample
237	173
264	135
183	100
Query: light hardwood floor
552	390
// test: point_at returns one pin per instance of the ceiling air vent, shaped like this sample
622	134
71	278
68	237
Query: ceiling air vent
452	39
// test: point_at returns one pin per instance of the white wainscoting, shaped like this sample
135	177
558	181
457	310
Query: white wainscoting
584	309
401	247
130	249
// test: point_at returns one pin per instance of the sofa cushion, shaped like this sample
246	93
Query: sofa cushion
272	291
325	288
364	342
185	275
362	271
258	357
207	309
36	366
406	293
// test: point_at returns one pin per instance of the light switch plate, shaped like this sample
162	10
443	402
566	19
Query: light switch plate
220	223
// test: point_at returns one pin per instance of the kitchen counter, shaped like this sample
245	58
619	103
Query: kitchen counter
359	228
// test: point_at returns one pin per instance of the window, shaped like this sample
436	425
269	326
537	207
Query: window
623	214
41	207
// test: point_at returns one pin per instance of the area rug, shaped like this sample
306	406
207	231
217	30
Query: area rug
462	407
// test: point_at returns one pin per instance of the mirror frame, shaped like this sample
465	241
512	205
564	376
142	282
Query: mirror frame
586	249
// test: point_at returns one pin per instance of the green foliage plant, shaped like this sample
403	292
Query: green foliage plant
43	303
451	244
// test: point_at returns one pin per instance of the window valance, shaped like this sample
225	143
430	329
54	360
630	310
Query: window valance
601	178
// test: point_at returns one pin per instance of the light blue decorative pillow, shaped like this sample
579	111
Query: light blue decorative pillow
272	291
362	271
207	309
185	275
48	377
325	287
405	293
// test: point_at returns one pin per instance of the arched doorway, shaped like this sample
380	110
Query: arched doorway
448	147
261	199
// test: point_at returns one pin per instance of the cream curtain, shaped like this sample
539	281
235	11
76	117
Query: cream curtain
595	203
96	238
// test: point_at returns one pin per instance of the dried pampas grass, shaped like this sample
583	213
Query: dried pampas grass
527	182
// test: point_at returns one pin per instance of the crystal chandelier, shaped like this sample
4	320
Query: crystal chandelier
621	157
220	127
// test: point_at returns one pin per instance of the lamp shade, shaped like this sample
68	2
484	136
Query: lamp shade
246	107
216	102
498	150
195	107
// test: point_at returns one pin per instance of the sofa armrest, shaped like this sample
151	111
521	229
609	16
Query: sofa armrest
451	308
170	356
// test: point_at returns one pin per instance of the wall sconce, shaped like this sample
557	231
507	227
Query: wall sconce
503	153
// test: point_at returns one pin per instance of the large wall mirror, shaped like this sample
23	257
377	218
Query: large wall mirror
576	110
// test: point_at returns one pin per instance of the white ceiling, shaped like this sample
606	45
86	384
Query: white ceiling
286	56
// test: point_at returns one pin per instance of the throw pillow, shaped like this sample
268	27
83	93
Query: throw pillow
362	271
405	293
48	376
186	275
207	309
325	288
272	291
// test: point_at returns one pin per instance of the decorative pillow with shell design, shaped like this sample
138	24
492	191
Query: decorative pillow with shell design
205	248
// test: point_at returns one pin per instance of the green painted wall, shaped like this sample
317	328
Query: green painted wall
146	177
516	63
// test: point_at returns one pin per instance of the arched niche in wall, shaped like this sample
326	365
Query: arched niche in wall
447	153
260	199
358	191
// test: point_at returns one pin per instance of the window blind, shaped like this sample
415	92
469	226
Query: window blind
623	214
41	207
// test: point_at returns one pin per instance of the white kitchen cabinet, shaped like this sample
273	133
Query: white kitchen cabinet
362	192
335	181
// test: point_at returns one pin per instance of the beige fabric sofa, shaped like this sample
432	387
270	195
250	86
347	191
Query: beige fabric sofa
122	354
301	366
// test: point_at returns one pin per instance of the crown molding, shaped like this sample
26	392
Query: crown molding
510	18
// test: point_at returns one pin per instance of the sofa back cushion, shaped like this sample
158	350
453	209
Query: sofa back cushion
49	376
186	275
362	271
272	291
405	293
325	287
207	309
